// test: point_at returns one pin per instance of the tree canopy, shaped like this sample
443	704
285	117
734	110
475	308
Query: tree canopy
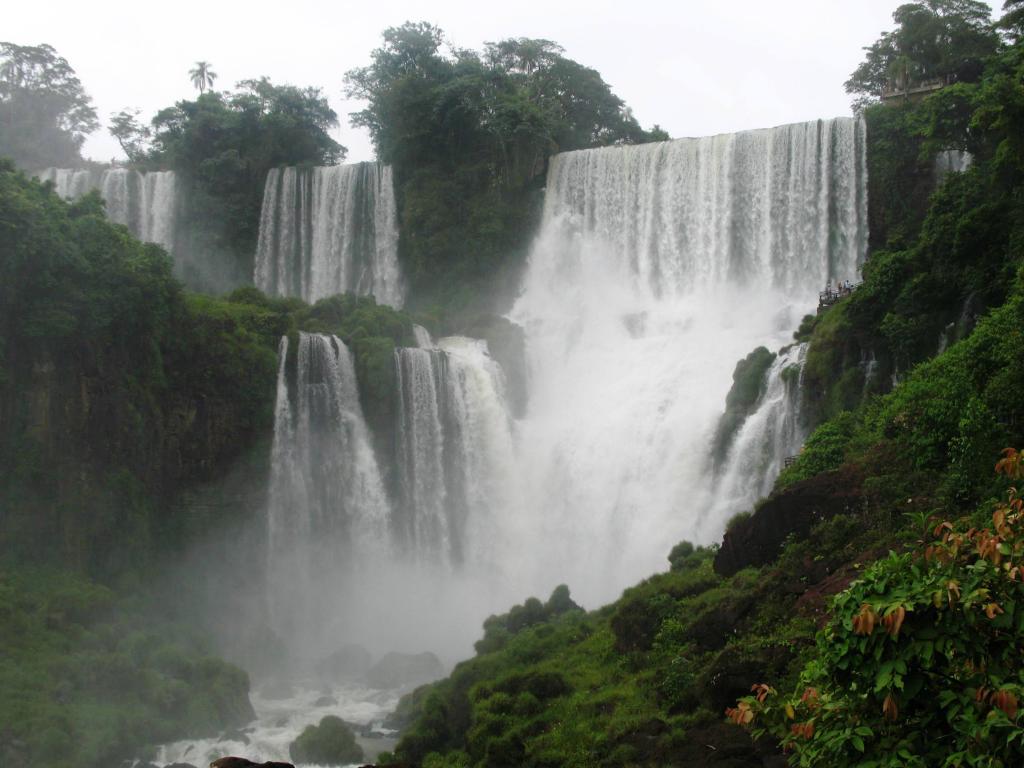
469	134
224	143
44	110
933	40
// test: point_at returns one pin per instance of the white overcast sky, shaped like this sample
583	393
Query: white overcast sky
694	67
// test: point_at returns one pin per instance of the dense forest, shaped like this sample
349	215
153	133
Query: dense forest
868	612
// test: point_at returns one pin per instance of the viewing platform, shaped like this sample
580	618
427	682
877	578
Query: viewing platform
916	91
831	295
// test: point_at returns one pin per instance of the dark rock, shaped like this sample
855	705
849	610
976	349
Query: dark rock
712	629
349	664
758	539
506	343
241	762
730	675
180	765
748	384
399	670
326	701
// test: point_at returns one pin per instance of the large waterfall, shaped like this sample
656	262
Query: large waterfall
657	268
329	230
146	203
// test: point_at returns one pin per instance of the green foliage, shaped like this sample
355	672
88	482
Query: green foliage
87	682
223	144
498	629
919	664
45	111
748	382
99	339
329	743
933	40
469	135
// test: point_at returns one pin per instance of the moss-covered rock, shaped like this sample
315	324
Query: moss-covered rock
748	382
331	742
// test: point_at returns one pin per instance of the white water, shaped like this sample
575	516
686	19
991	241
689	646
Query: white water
146	203
656	269
773	432
280	721
330	230
327	513
952	161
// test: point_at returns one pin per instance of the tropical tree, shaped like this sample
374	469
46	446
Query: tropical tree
933	39
130	133
202	76
45	113
1012	20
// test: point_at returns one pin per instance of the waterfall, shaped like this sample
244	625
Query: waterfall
326	502
455	448
345	562
656	268
329	230
952	161
146	203
773	432
422	336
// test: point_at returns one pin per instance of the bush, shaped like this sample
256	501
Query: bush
329	743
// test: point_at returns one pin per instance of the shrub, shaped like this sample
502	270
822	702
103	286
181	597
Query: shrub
329	743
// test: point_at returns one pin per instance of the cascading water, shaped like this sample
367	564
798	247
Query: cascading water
327	506
348	564
773	432
952	161
146	203
658	267
329	230
455	450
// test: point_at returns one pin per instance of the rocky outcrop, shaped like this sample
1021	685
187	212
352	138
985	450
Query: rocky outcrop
506	343
758	540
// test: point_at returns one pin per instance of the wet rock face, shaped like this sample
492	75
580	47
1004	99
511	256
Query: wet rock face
795	510
399	670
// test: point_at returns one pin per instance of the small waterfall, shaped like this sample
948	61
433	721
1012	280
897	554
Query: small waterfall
327	500
657	267
768	436
952	161
455	448
422	336
146	203
329	230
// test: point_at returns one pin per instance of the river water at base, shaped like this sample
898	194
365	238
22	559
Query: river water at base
282	715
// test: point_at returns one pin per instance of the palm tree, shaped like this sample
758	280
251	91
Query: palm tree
202	76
